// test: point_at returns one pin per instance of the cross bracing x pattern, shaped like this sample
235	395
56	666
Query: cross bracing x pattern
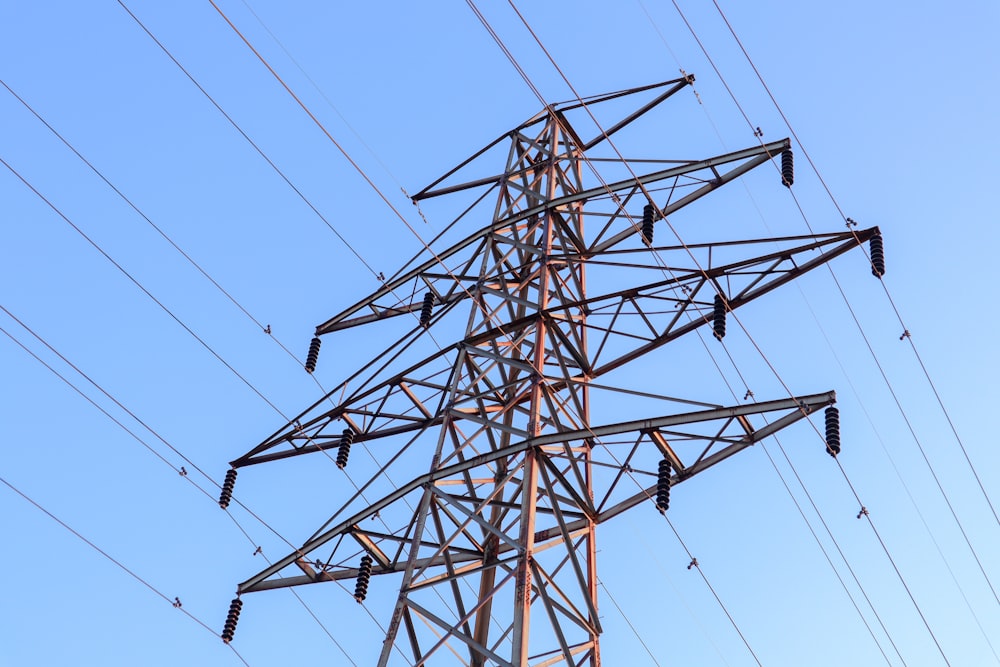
494	546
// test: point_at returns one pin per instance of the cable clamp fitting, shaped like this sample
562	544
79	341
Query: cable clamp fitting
905	334
863	512
177	603
693	563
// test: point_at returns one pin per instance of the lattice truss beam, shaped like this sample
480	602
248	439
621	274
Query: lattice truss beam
622	326
495	542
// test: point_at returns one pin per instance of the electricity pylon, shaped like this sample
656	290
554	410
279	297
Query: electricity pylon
494	544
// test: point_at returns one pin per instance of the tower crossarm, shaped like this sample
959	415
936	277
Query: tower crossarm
672	87
622	326
625	452
496	544
458	281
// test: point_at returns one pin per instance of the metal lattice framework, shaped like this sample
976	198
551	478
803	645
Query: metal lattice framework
495	543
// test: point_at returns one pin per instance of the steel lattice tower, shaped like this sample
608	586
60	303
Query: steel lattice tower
495	544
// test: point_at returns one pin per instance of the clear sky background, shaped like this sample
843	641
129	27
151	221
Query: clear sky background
896	106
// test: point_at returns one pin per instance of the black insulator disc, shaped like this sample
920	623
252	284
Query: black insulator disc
787	168
719	321
227	488
425	311
313	354
832	418
648	215
231	618
364	575
877	252
663	486
343	452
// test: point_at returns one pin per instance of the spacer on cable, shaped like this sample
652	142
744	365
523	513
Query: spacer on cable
313	354
227	488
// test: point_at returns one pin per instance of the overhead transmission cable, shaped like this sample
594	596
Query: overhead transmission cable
159	303
858	324
250	141
179	470
628	621
888	294
819	514
135	281
527	79
330	136
322	94
202	271
530	83
265	328
254	145
760	351
174	603
273	166
864	336
315	120
385	199
123	407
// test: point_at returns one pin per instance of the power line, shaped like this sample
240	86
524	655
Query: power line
272	70
528	81
329	136
181	471
135	282
629	622
760	351
864	335
322	94
169	240
249	140
119	564
892	302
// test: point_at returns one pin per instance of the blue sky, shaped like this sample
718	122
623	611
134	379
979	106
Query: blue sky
897	109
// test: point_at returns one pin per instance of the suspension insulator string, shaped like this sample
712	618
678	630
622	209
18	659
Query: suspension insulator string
663	486
648	217
364	576
426	309
344	451
232	618
787	168
832	431
877	252
719	321
227	488
313	354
